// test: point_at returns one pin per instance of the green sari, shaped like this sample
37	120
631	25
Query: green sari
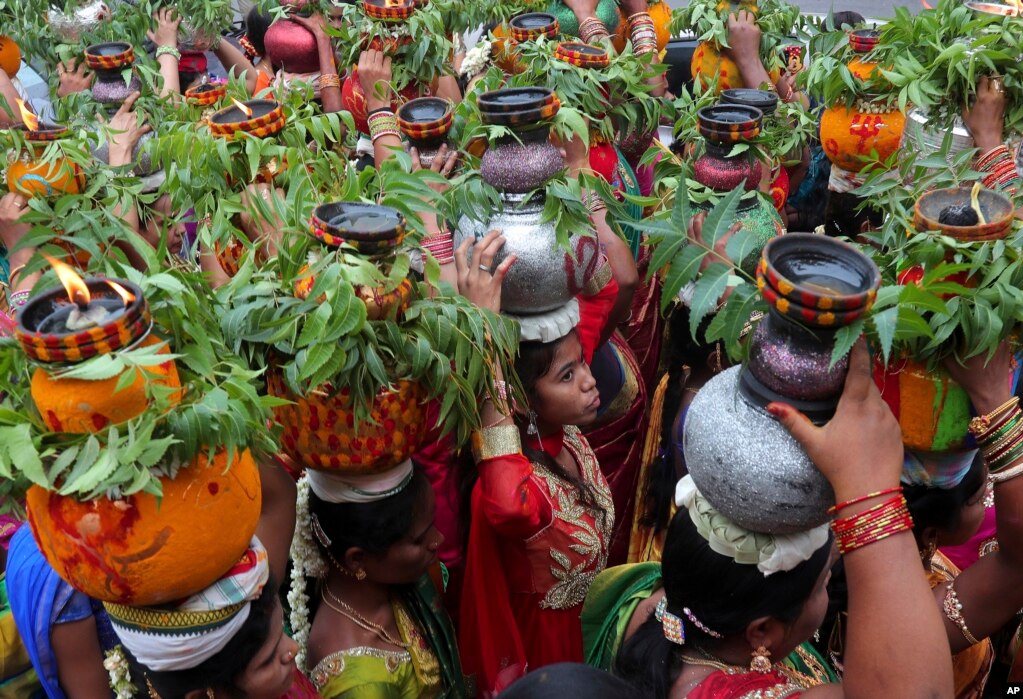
613	599
429	669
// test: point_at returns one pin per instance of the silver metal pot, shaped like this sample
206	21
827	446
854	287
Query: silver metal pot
545	276
70	27
192	38
926	140
748	466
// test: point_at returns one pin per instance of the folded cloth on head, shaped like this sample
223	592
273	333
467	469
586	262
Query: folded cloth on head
771	553
187	634
347	487
943	470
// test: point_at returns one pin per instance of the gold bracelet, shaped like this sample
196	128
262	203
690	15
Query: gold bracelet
979	424
954	611
329	80
14	272
493	442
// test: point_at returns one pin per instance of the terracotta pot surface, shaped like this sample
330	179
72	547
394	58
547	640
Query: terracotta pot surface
320	430
143	551
35	179
291	46
79	406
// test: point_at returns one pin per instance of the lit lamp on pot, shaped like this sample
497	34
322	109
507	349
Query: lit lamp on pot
259	118
27	174
741	459
83	318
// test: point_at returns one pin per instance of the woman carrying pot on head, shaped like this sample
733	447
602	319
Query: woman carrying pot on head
734	599
946	497
225	641
542	513
379	628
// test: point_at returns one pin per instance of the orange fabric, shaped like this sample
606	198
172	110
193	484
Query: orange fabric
263	81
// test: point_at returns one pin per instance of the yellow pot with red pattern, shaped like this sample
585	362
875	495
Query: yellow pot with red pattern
142	550
321	430
850	134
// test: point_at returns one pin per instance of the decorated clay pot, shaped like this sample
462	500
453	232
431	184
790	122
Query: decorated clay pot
850	135
143	550
996	208
292	47
321	432
206	94
27	174
354	99
709	62
932	409
389	10
525	27
10	56
863	41
722	173
748	466
267	119
86	18
545	276
582	55
382	302
426	122
77	405
525	161
371	229
764	100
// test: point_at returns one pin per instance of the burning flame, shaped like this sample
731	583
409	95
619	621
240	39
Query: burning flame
27	116
76	289
125	295
242	106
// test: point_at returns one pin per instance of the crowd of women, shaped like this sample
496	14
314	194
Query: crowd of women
566	550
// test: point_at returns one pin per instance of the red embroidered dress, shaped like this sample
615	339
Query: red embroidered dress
534	550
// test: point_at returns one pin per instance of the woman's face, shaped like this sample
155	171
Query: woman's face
160	219
270	672
411	556
567	393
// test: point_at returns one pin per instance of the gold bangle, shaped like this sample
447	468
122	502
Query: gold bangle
14	272
493	442
980	424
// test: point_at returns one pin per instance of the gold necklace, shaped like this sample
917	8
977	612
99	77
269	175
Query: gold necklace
814	665
710	661
348	611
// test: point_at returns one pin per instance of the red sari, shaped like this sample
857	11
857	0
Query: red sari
534	550
740	684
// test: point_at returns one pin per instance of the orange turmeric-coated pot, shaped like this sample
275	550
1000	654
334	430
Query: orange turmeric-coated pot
10	56
849	135
139	550
30	178
78	405
320	430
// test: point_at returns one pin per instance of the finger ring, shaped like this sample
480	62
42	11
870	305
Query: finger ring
486	269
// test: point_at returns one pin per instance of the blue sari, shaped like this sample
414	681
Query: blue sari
39	599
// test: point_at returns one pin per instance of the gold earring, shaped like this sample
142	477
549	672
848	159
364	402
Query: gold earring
761	660
210	694
360	574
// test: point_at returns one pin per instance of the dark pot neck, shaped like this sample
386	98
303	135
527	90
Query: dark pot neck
780	329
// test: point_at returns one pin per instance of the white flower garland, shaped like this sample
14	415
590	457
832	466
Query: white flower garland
119	670
476	60
305	562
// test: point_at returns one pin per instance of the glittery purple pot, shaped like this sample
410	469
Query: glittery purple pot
634	144
110	88
716	170
791	363
520	167
545	276
748	466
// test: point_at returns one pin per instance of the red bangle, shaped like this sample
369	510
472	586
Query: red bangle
855	501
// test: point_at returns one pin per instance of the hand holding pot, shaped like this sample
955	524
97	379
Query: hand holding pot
860	450
73	78
166	34
478	280
375	78
987	116
124	132
987	382
443	164
314	23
